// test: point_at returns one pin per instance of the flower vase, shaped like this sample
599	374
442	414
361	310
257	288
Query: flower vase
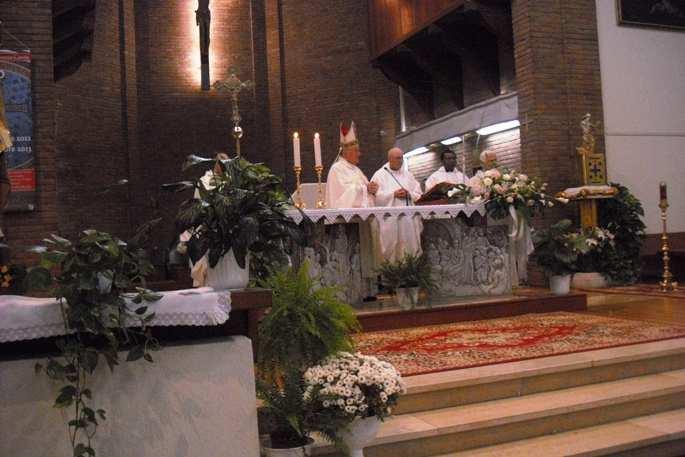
227	274
300	451
560	284
407	297
359	434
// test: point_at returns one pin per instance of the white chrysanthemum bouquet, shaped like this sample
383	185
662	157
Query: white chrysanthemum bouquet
349	386
501	188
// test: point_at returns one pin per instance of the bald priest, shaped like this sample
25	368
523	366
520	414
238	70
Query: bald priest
399	235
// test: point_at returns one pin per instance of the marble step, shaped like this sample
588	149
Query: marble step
491	382
440	431
654	435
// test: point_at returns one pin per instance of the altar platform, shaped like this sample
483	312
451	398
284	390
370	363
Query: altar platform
385	314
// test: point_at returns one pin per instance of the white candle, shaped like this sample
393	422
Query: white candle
317	150
296	149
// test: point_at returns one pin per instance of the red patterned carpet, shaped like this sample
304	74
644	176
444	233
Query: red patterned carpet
467	344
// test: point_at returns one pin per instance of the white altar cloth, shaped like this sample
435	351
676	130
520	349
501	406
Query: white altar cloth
27	318
332	215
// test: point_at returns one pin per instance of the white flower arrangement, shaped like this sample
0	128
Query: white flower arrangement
349	386
501	188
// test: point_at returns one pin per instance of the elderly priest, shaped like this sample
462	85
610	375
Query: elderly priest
397	187
346	186
448	172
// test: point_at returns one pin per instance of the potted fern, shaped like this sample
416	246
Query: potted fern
406	277
237	213
306	324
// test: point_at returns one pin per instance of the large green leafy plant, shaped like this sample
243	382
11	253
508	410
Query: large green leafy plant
93	276
306	324
621	215
558	247
243	209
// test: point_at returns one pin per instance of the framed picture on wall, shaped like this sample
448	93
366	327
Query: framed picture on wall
663	14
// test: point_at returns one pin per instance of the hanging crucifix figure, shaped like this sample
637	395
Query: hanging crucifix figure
203	18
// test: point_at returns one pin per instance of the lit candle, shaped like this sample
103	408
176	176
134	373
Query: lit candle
296	149
662	191
317	150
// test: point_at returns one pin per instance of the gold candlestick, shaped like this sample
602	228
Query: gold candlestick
667	283
320	203
299	203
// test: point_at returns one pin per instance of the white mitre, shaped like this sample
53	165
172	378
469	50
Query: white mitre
348	135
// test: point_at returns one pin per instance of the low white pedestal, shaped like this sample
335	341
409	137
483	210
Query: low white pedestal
195	400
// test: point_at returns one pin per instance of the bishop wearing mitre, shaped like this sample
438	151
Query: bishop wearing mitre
346	185
399	235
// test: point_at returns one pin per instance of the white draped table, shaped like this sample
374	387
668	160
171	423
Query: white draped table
197	398
333	215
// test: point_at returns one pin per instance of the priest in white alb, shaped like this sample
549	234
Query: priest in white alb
448	172
348	187
399	235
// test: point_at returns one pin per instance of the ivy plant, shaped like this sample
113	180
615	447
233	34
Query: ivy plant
93	280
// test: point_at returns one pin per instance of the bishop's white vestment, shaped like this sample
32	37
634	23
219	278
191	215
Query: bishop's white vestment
453	177
398	235
346	186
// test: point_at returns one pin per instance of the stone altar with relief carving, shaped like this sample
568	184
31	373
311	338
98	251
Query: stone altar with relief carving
467	260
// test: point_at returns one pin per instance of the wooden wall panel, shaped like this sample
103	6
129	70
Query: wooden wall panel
393	21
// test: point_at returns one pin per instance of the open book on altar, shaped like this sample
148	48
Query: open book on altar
436	195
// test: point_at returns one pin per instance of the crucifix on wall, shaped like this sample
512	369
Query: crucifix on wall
203	18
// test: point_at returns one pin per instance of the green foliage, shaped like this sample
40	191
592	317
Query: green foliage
410	271
558	247
621	216
306	324
243	210
92	277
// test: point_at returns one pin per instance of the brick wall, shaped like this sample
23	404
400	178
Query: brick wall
175	117
558	81
31	22
93	119
326	78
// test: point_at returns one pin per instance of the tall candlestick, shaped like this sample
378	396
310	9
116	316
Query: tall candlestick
296	150
317	150
299	203
667	283
320	202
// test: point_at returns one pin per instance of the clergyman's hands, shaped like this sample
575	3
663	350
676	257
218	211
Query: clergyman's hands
372	187
400	193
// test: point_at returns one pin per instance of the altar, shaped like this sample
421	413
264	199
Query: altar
468	257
